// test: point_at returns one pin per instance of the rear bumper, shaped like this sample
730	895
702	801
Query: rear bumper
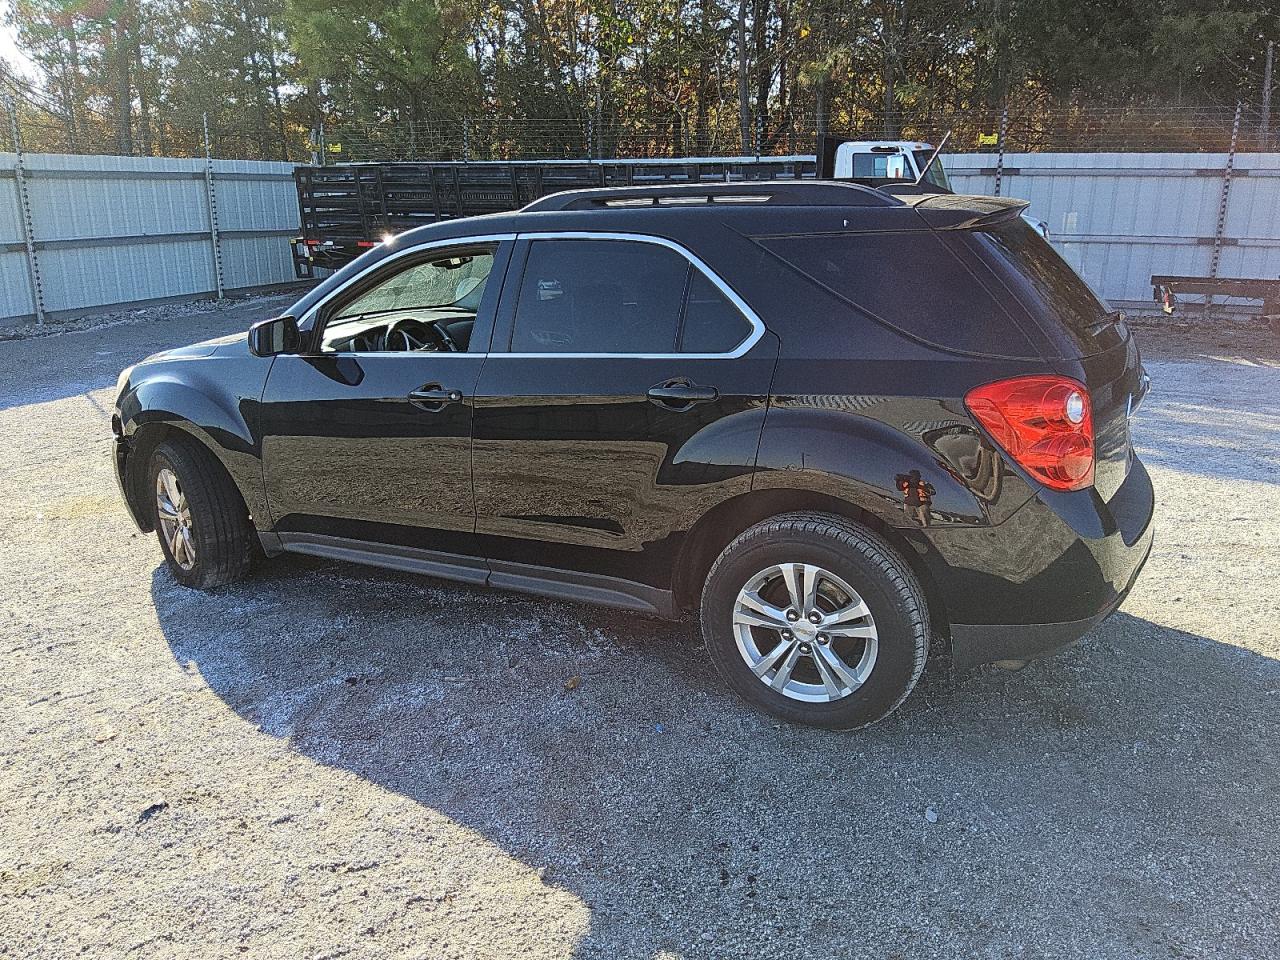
974	644
1047	575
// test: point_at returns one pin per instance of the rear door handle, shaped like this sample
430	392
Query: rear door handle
681	394
433	397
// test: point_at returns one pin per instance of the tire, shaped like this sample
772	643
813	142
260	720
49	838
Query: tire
216	521
878	658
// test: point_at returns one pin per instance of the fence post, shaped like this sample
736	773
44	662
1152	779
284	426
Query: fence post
759	134
599	117
1222	204
466	140
24	214
1264	134
211	194
1004	126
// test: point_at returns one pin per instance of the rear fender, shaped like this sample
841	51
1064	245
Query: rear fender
866	457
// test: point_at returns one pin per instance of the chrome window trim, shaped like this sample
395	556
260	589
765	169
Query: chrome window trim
757	325
314	313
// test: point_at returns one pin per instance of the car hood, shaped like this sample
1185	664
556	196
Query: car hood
232	345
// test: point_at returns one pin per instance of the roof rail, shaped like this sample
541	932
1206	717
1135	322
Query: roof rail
790	193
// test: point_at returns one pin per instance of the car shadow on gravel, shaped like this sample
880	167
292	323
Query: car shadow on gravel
1108	802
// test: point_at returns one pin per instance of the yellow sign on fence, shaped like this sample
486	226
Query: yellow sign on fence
987	139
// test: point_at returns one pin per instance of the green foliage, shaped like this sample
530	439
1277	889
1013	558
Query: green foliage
142	74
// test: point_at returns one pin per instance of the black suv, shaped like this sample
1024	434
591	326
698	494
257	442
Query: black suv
836	420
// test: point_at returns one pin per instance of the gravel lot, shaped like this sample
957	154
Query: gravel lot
330	761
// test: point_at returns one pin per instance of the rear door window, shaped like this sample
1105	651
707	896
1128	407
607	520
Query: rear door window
599	296
711	323
912	281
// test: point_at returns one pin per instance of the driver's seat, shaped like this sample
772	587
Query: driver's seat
460	332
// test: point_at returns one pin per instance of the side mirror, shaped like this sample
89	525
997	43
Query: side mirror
277	335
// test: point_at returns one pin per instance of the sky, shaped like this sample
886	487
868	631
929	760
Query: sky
9	51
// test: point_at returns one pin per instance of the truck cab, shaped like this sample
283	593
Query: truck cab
888	160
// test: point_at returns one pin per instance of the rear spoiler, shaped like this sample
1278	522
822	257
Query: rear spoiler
947	211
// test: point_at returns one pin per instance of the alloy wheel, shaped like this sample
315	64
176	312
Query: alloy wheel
175	518
805	633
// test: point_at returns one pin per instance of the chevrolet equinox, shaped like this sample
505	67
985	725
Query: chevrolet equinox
835	420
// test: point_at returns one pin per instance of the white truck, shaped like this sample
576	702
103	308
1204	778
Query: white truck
888	160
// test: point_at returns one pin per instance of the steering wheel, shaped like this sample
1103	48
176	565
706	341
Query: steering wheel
410	334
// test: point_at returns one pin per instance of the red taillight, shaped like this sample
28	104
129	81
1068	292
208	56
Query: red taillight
365	244
1045	423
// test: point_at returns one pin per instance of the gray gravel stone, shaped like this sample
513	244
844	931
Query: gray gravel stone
342	762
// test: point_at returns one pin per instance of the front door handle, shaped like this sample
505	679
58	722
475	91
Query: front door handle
681	394
433	397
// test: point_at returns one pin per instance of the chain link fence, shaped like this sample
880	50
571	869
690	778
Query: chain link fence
91	132
1069	129
1190	130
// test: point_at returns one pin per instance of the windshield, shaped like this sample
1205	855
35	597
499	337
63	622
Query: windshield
935	174
452	282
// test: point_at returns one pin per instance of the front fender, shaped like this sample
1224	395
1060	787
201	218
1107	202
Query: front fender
219	408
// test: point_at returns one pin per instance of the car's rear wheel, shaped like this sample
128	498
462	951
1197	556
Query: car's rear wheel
817	620
200	517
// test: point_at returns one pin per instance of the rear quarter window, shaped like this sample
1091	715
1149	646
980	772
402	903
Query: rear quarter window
911	281
1047	286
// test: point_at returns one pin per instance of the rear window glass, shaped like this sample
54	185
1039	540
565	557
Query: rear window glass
1047	285
911	281
870	165
599	296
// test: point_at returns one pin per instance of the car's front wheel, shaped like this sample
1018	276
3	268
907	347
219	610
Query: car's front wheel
200	517
816	620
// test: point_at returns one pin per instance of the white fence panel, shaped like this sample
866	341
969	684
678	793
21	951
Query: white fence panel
15	284
116	231
123	231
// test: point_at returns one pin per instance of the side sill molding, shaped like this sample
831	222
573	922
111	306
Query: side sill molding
447	566
520	577
582	587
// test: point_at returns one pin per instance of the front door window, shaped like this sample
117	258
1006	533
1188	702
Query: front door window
426	306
